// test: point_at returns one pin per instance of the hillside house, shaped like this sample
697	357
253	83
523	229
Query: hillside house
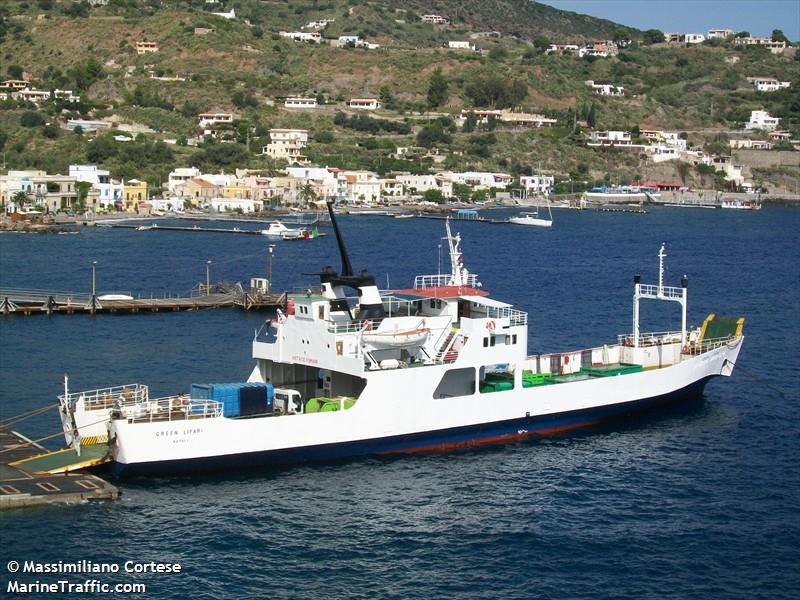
605	89
419	184
363	103
750	145
230	15
562	49
199	190
774	47
694	38
506	116
320	24
537	184
362	186
461	45
481	180
202	30
768	84
391	188
761	119
609	139
599	49
667	138
435	19
297	102
287	144
177	178
14	84
207	119
146	48
720	33
302	36
780	136
31	95
662	152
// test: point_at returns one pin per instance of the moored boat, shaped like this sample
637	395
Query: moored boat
437	365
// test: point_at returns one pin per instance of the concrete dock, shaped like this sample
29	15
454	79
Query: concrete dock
20	488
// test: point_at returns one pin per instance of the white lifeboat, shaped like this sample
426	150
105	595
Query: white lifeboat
396	338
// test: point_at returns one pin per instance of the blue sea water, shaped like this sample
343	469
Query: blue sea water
698	501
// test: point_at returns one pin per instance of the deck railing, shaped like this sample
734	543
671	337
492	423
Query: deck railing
175	408
106	398
429	281
666	291
650	339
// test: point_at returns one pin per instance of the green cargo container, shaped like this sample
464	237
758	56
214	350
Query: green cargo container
611	370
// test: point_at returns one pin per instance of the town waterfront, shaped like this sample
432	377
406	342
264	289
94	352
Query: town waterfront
697	501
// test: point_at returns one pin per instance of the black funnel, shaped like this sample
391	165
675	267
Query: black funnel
347	270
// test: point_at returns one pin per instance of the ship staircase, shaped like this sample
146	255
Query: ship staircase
446	352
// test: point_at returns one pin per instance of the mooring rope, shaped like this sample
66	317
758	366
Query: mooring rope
27	414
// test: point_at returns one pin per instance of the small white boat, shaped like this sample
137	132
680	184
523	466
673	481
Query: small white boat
144	228
115	297
404	216
736	204
530	218
278	229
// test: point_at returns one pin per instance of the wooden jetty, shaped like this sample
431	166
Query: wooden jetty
29	302
20	487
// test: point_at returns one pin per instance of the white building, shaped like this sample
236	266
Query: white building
364	103
297	102
362	186
146	47
319	24
761	119
435	19
459	45
537	184
480	179
245	205
720	33
179	177
506	116
750	145
694	38
302	36
287	144
774	47
31	95
561	48
109	190
230	15
662	152
768	84
609	138
419	184
214	118
666	138
605	89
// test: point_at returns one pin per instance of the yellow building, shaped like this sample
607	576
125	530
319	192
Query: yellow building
135	192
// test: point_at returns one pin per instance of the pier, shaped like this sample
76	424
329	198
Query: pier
20	487
30	302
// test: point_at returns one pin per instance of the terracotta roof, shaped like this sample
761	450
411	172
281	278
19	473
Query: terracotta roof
202	183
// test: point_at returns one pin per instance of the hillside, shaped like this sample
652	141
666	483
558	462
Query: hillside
244	66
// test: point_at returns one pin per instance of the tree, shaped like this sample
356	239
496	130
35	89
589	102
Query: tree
385	95
778	36
470	122
683	171
433	196
19	199
541	42
31	119
591	116
622	34
82	187
742	34
653	36
307	193
14	71
486	86
437	89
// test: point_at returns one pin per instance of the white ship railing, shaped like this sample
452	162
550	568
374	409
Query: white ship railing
514	316
664	292
650	339
429	281
104	398
708	345
175	408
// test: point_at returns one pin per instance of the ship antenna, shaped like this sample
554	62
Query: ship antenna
347	270
661	256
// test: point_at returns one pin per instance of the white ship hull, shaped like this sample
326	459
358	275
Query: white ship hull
395	415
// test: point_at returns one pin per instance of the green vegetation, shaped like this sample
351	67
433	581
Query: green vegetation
247	70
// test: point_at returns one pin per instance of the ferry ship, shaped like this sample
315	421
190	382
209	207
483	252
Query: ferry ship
439	365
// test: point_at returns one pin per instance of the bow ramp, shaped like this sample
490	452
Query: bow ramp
64	461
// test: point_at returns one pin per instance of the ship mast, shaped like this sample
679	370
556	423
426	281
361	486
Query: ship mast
660	292
458	273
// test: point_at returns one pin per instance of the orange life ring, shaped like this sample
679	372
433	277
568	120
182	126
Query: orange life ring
491	325
628	341
566	359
